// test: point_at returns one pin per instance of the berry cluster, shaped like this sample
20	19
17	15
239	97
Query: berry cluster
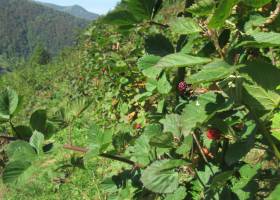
138	126
213	134
182	87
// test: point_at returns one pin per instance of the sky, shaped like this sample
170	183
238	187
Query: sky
96	6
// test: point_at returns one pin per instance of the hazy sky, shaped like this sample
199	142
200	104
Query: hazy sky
96	6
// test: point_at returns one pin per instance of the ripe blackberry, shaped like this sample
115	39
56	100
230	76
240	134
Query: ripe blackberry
182	87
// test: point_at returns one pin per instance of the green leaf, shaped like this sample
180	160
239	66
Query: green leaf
219	180
99	138
142	9
141	151
120	18
184	25
238	150
158	45
213	71
222	12
253	22
181	60
131	12
256	3
38	120
23	132
262	40
152	130
202	7
160	176
20	150
275	194
260	92
172	123
179	194
163	85
262	73
247	173
14	170
37	140
147	65
199	111
9	102
275	127
164	140
186	146
260	100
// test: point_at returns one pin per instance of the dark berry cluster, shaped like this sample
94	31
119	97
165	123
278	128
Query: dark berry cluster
182	87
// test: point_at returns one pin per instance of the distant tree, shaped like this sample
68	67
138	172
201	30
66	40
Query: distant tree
40	55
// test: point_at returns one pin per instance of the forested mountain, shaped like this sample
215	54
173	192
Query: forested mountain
25	24
74	10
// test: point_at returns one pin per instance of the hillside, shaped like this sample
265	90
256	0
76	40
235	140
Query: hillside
74	10
25	24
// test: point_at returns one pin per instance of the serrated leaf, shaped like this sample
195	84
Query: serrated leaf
163	85
181	60
14	170
120	17
147	65
262	40
199	111
158	45
186	146
219	180
263	73
99	138
179	194
259	89
238	150
164	140
20	150
152	130
253	22
221	13
213	71
259	99
160	176
184	25
247	172
141	151
202	7
131	12
172	123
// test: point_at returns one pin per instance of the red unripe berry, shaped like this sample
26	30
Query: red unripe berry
213	134
182	86
138	126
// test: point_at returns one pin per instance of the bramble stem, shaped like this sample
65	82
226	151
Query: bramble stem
273	16
104	155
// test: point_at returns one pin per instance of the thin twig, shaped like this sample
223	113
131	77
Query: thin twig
273	16
200	148
159	24
104	155
10	138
